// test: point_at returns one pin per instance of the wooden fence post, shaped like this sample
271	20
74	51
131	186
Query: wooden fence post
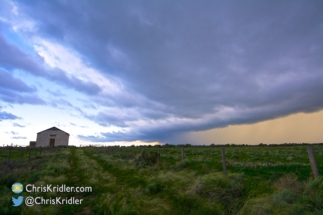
223	161
312	161
183	154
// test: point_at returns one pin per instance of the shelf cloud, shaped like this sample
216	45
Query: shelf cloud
155	70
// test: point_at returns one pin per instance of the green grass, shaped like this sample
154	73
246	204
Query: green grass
138	180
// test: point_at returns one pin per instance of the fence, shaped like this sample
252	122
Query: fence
30	153
186	153
23	153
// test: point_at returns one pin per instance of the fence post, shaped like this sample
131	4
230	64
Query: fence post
312	161
21	152
183	155
223	161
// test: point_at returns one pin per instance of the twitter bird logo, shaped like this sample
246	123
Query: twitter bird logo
18	201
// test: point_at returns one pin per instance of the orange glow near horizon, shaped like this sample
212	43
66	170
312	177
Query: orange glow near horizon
296	128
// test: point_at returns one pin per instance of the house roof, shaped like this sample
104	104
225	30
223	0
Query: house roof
53	129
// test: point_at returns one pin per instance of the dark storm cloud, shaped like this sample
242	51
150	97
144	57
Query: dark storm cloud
259	59
11	57
14	90
20	98
7	81
60	77
111	119
166	132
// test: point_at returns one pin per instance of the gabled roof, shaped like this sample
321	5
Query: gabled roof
53	129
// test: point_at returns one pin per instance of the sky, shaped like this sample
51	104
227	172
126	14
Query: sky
155	72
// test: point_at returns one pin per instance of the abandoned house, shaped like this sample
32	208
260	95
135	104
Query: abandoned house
51	137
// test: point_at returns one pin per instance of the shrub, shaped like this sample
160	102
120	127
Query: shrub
219	187
183	164
147	158
289	182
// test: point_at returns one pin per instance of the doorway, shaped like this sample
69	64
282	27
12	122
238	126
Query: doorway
51	142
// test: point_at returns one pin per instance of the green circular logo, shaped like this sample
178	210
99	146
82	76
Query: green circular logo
17	187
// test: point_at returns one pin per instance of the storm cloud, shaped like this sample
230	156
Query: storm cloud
11	57
181	66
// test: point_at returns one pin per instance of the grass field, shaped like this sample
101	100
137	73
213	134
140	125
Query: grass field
135	180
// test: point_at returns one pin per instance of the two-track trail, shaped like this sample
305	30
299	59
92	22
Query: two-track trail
119	187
